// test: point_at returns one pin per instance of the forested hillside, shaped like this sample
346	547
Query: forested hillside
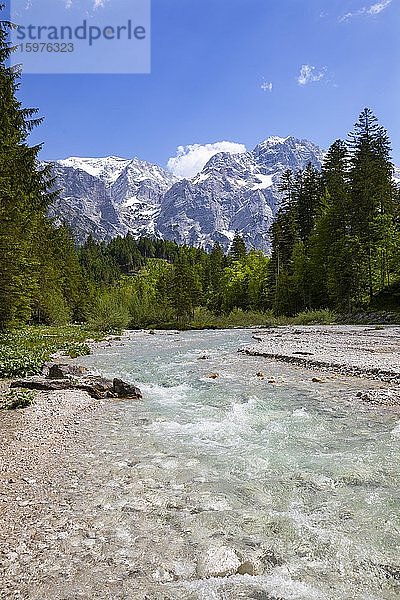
336	239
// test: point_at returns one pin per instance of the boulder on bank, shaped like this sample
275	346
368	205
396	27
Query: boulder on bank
125	390
60	371
97	387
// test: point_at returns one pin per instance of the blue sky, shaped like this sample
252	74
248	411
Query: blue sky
232	70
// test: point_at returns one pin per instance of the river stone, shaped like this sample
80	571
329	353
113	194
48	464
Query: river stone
125	390
39	383
392	571
251	566
221	561
60	371
383	397
97	387
163	575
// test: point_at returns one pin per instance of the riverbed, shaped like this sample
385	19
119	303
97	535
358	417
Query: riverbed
289	471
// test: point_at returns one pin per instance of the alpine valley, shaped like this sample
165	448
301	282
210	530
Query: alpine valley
107	197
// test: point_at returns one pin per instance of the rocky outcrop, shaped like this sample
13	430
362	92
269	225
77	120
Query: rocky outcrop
125	390
106	197
60	371
97	387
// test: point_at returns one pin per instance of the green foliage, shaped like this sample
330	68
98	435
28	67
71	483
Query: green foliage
238	249
75	349
322	316
110	312
41	279
20	362
24	351
336	239
13	399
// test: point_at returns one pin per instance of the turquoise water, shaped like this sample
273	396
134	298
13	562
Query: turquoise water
294	470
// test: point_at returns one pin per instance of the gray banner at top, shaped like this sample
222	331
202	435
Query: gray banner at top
82	36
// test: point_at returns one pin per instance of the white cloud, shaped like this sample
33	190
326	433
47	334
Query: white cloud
95	3
309	74
190	160
267	86
377	8
372	10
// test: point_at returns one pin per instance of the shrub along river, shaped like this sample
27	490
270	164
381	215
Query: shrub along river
288	487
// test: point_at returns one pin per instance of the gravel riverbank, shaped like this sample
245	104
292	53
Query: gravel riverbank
366	352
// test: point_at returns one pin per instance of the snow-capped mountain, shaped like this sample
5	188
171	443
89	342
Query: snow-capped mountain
112	196
107	169
106	197
233	193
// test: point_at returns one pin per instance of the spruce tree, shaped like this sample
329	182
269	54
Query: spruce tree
308	201
23	194
284	235
372	200
238	250
32	251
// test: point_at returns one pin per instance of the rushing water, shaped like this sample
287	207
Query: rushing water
297	474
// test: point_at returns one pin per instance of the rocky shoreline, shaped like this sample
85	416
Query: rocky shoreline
355	351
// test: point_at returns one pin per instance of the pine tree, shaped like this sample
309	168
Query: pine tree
308	200
238	247
24	195
372	200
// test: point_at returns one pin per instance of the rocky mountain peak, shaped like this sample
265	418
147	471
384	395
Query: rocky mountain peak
234	192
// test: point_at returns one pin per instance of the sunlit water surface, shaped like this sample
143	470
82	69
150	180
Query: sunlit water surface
298	470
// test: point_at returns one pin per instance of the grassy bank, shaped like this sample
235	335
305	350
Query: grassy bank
204	319
23	351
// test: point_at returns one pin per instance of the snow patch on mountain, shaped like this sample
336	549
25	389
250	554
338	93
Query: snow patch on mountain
108	169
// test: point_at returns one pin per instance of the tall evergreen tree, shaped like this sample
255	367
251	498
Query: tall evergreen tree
372	200
33	253
238	249
24	195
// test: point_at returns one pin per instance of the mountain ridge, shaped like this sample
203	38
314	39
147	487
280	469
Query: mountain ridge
109	196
